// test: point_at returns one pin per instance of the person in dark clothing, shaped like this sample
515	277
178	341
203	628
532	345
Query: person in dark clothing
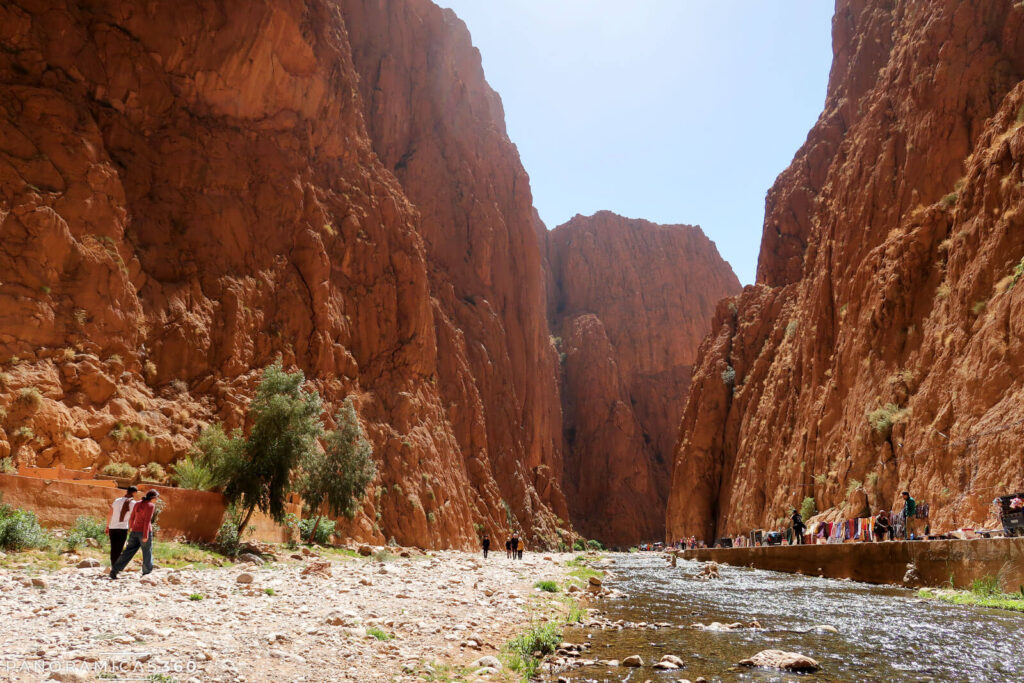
798	527
882	526
515	546
140	528
909	511
508	548
117	522
486	545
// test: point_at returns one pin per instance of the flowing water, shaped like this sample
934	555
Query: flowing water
885	633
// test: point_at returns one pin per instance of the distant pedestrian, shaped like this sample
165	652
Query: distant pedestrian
117	522
508	548
140	535
515	546
798	527
486	545
520	547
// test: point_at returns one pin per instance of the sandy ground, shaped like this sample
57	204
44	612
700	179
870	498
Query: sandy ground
283	626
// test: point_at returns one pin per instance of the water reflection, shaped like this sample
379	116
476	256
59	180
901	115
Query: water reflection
885	634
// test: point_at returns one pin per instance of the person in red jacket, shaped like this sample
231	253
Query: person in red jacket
140	535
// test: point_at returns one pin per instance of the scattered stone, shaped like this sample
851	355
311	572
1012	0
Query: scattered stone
669	662
488	662
633	661
594	581
88	563
825	628
365	550
245	577
250	558
783	661
40	583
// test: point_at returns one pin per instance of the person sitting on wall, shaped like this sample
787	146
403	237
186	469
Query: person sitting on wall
882	526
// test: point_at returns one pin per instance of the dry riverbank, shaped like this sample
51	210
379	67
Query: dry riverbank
433	616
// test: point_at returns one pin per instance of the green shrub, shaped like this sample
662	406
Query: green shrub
807	508
324	530
228	541
852	486
121	470
578	545
154	471
547	586
882	419
85	527
729	376
19	529
7	466
192	474
594	544
542	638
950	200
986	586
196	597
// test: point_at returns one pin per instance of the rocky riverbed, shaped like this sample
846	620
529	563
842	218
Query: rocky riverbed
323	618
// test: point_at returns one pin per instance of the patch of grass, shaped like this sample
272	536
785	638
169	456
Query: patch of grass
196	597
882	419
521	652
154	471
942	291
1008	601
978	307
270	591
547	586
122	470
7	466
729	376
852	486
175	554
379	633
949	200
29	397
384	556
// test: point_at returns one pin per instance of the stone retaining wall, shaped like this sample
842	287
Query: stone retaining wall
937	562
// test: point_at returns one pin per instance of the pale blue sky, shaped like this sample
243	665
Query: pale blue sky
677	111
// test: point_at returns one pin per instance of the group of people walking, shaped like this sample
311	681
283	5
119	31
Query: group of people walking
514	547
130	528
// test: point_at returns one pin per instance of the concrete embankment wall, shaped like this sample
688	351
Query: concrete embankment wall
937	562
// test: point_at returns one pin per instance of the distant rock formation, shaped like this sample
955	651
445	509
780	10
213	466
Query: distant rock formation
631	302
882	344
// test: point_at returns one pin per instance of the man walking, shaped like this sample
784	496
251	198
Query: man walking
117	522
909	511
486	544
140	535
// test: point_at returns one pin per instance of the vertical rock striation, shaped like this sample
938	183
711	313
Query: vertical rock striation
880	348
632	300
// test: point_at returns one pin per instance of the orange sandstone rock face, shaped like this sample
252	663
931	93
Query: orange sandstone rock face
632	300
186	195
881	347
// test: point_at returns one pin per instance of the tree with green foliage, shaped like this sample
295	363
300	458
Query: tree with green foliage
807	508
337	477
215	459
285	427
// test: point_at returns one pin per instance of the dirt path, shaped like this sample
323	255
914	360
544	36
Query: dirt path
444	611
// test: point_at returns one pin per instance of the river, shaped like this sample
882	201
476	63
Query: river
885	633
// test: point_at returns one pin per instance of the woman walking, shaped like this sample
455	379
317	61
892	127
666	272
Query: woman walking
140	535
117	522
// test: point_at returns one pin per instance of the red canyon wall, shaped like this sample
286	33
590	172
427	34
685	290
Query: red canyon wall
632	301
881	346
187	192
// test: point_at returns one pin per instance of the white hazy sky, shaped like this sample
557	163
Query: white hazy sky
677	111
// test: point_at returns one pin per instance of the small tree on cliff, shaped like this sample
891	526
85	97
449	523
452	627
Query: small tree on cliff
285	427
336	477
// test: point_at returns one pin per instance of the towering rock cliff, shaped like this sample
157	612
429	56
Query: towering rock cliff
880	348
187	193
632	300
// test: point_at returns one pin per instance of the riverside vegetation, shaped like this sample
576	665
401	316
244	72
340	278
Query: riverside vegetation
984	592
